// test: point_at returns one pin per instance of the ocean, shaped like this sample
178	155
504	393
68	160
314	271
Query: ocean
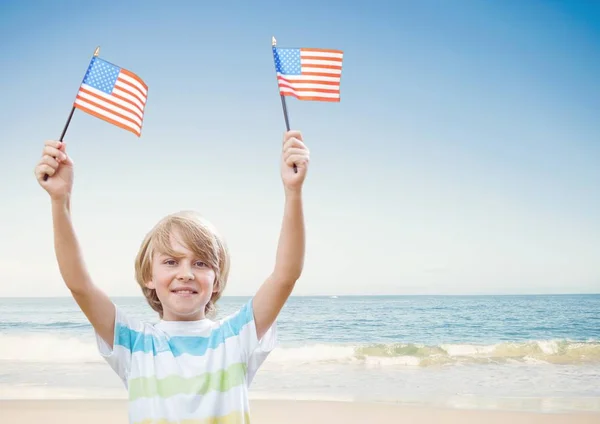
530	352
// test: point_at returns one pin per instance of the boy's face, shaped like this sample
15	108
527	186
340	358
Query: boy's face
183	284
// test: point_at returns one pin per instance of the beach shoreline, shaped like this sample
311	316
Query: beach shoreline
543	362
289	411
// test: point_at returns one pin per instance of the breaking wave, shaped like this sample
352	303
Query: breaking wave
48	348
407	354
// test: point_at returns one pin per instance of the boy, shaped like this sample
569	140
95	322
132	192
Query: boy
187	367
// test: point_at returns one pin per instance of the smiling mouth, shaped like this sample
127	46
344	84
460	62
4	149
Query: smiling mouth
184	292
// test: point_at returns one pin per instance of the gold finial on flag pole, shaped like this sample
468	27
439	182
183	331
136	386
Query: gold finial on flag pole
273	41
97	51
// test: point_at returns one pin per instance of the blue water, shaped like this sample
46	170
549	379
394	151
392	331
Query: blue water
514	352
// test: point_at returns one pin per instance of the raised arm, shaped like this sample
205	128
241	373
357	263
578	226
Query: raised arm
289	261
94	303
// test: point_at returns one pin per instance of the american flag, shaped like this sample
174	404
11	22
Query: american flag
113	94
309	74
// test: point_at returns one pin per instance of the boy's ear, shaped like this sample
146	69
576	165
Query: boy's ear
216	287
150	285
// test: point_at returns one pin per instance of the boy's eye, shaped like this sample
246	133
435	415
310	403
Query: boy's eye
174	262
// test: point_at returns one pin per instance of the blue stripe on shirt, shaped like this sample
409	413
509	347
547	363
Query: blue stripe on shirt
136	341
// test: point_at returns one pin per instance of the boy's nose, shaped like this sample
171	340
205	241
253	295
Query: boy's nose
185	274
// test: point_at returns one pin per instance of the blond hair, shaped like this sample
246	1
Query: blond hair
199	236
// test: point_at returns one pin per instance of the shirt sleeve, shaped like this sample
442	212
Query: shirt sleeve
253	351
127	333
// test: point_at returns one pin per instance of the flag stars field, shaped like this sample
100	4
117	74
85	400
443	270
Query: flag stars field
103	76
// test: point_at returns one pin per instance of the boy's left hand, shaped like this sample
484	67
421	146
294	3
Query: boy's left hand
294	152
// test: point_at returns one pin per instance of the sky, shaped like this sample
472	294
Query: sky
463	157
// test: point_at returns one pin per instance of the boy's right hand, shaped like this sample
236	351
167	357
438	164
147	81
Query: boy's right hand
58	166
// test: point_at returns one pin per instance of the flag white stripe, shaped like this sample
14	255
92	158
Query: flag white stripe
307	78
132	89
107	105
129	97
322	70
320	62
309	93
321	54
312	85
123	103
135	82
108	115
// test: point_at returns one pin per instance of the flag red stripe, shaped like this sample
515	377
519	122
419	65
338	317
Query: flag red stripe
321	74
135	77
115	104
333	59
321	99
131	89
311	65
125	99
321	50
114	112
107	119
313	90
310	81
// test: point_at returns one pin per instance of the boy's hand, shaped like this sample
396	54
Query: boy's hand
56	163
294	152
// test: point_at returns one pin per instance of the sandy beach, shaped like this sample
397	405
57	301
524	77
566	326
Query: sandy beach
286	411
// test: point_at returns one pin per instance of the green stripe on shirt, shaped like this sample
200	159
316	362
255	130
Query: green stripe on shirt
221	381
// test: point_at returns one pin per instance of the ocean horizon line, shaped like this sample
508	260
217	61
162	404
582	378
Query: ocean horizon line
329	296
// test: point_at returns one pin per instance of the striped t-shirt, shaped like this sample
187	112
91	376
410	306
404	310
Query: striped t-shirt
192	372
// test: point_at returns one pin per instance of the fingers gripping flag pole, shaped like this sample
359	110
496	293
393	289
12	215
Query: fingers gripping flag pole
111	93
307	74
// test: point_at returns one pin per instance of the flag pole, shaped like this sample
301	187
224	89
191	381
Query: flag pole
64	131
283	104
